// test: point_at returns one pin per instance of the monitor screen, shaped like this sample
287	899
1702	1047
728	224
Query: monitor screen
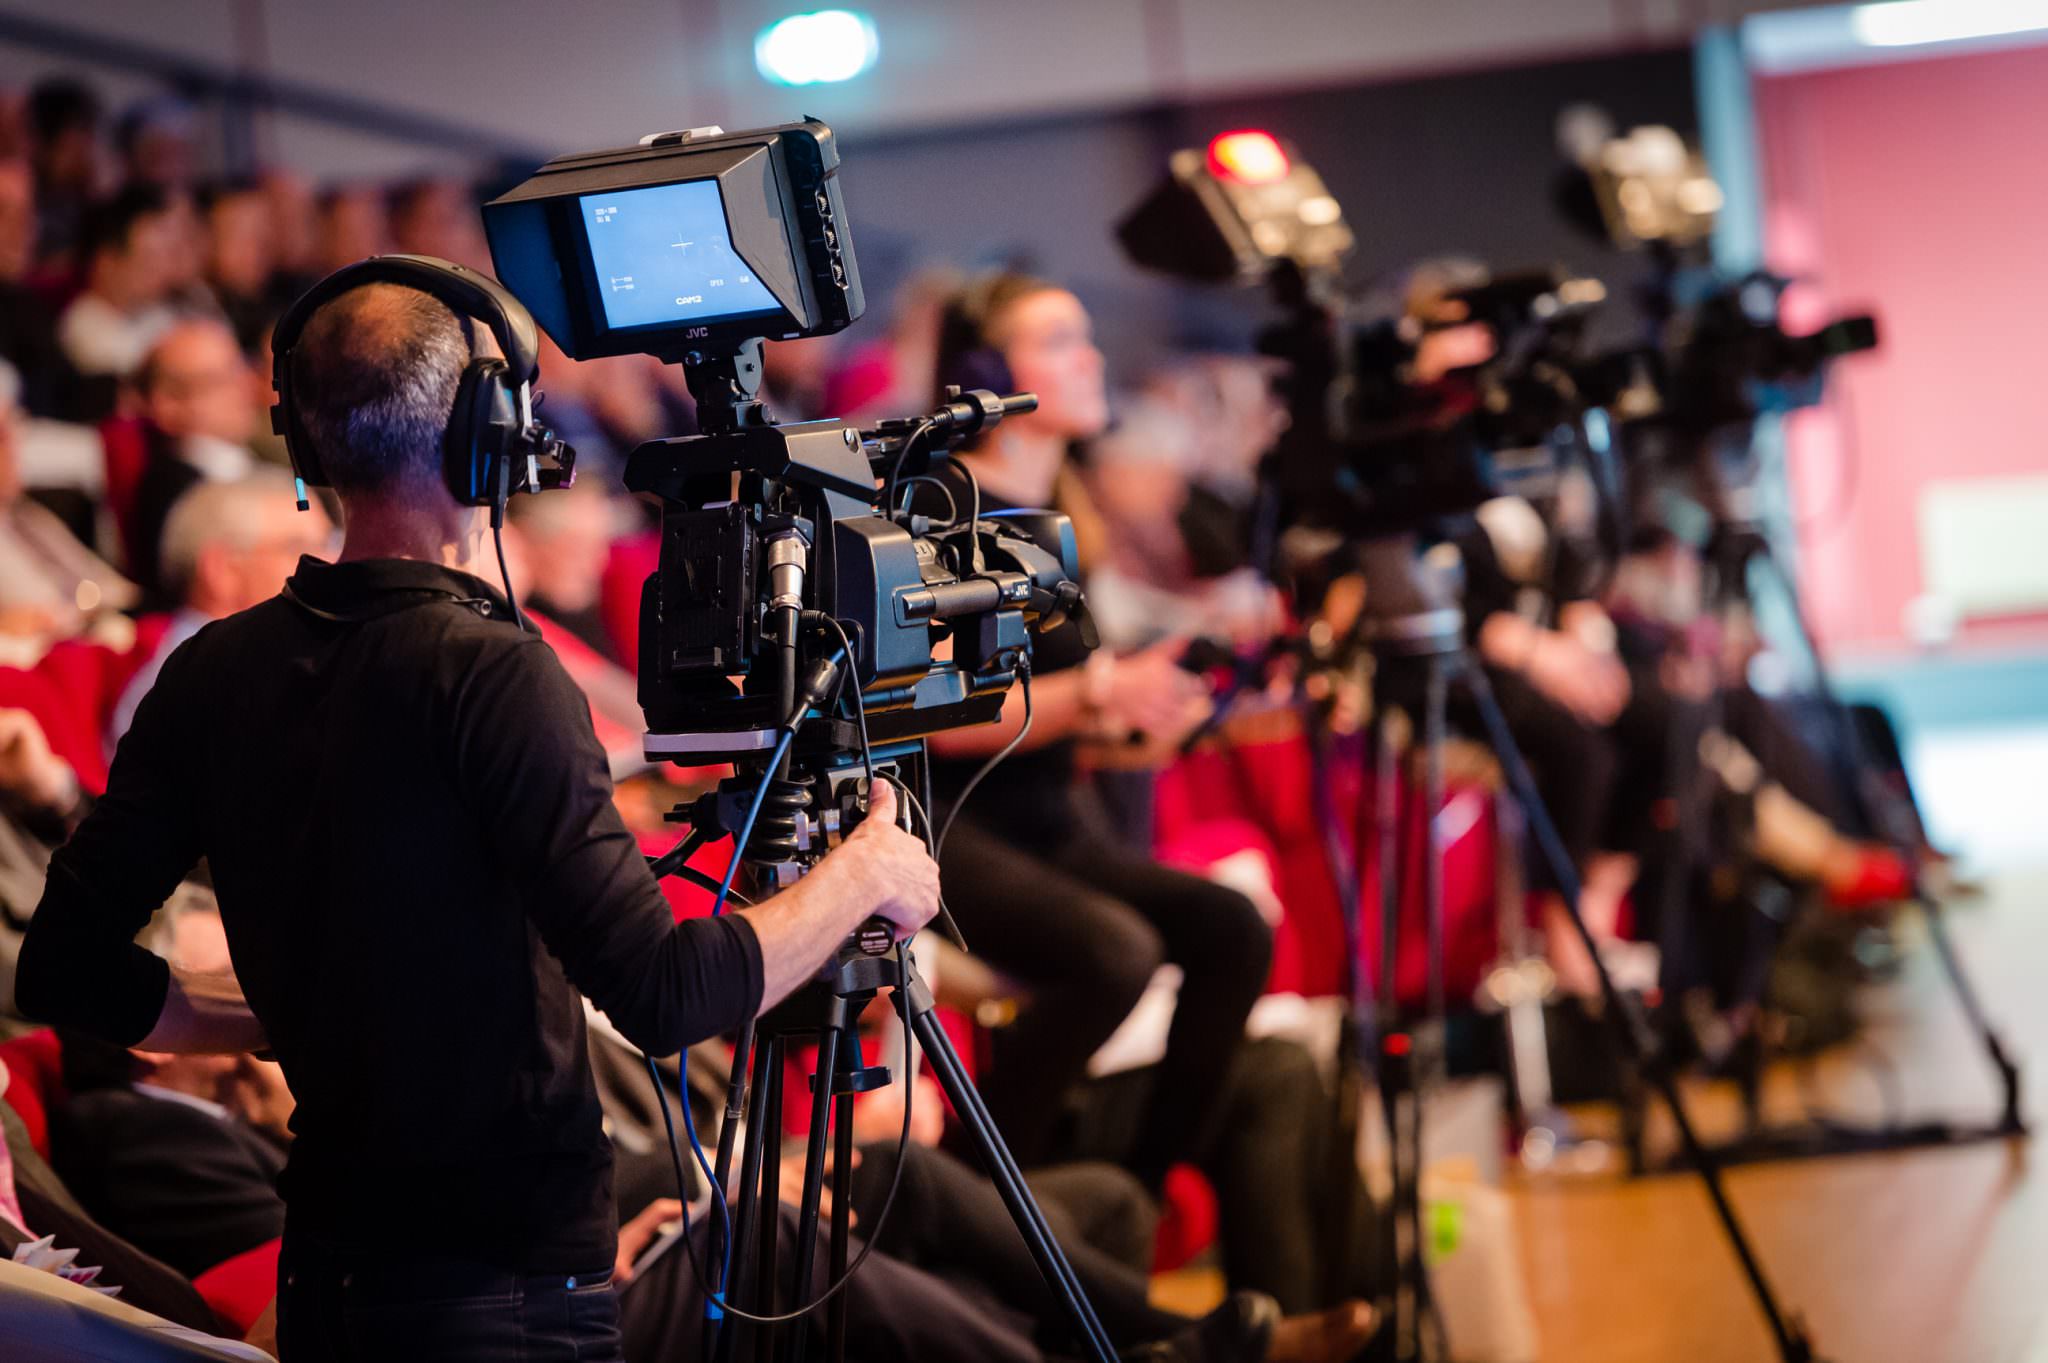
662	255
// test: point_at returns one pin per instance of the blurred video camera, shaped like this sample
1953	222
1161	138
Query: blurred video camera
1364	454
780	564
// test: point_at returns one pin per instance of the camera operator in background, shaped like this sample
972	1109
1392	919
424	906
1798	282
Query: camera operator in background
1041	892
1533	618
445	783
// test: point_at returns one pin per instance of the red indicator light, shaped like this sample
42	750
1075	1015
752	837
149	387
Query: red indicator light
1398	1044
1249	157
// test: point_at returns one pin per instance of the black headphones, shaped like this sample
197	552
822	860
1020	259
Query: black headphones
493	447
967	359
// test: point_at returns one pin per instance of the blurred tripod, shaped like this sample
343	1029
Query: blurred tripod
1414	629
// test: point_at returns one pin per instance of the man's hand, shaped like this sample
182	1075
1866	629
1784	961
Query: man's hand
890	864
636	1235
1150	693
29	771
256	1092
1593	686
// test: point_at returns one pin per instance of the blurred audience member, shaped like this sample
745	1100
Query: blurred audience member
350	223
64	147
200	409
28	328
130	251
294	231
793	377
240	235
567	539
892	376
152	1143
226	547
50	584
438	217
153	138
1046	896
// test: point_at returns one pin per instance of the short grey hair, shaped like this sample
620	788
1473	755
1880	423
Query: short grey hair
216	513
373	383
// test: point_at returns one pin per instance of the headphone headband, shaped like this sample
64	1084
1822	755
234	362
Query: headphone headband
465	291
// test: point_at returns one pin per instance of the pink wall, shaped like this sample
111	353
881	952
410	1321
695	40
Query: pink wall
1918	191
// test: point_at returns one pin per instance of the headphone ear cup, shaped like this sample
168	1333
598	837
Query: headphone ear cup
982	366
479	432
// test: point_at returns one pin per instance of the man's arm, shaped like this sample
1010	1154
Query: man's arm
532	770
80	964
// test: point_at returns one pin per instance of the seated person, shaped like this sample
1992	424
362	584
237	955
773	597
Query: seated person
200	409
1039	889
226	546
128	254
50	584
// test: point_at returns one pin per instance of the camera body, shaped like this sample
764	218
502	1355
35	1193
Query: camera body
695	247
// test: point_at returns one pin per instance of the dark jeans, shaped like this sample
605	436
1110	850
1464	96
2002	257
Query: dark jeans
334	1306
1082	924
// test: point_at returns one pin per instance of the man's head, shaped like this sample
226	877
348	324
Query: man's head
132	248
229	546
155	140
240	236
373	379
438	217
195	381
351	224
64	129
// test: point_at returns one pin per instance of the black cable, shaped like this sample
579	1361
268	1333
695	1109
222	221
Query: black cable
1023	680
917	433
952	505
951	926
503	495
860	703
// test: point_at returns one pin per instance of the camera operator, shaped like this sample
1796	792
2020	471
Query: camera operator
1039	890
409	826
1531	616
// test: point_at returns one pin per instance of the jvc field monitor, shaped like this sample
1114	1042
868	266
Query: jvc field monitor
662	255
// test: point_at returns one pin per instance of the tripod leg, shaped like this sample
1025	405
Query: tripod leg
1628	1020
1900	824
829	1041
719	1327
842	1210
1038	1238
741	1291
768	1117
1391	1064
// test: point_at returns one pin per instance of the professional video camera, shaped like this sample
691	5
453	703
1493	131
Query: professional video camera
694	246
1358	457
783	574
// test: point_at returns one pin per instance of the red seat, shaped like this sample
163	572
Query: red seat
240	1288
127	453
35	1082
66	724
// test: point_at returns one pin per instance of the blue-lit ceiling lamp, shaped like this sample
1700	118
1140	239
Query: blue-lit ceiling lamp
820	48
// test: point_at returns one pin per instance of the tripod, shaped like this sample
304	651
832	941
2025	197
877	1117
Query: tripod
828	1009
1415	631
1739	547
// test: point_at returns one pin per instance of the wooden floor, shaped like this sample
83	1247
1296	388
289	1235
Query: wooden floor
1937	1256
